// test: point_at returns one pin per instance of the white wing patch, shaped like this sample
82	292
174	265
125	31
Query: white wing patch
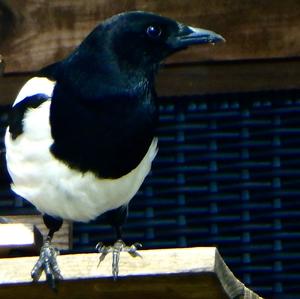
34	86
50	184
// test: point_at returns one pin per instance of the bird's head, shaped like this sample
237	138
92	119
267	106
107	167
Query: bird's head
141	40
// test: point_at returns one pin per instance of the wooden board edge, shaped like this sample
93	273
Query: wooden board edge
188	261
62	239
232	286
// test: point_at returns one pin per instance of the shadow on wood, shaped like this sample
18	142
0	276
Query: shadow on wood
176	273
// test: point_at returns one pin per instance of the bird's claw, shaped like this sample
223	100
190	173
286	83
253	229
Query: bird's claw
47	262
116	249
133	249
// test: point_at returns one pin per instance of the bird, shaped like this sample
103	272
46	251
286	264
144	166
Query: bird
81	134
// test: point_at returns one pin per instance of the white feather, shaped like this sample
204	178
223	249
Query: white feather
50	184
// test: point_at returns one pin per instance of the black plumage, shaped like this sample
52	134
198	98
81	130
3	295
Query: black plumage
115	111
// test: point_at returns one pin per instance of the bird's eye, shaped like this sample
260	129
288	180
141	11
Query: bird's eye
153	31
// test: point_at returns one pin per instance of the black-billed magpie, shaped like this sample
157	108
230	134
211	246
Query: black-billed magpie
81	136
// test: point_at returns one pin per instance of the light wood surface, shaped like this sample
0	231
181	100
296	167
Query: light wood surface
36	33
15	234
19	236
176	273
62	239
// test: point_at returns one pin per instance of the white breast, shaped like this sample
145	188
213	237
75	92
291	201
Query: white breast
50	184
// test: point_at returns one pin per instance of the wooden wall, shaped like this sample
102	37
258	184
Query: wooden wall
266	33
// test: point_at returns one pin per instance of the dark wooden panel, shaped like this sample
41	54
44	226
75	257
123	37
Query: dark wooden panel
202	78
10	86
1	65
229	77
36	33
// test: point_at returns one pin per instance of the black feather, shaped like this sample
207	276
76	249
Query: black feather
16	115
104	109
107	135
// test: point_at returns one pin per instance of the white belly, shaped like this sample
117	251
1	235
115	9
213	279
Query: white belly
56	189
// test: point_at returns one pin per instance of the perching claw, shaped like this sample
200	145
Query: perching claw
133	249
47	262
116	249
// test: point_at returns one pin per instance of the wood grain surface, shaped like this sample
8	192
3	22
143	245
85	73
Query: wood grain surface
201	78
62	239
22	237
36	33
175	273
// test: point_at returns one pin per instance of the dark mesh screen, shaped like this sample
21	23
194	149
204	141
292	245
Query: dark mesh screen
227	175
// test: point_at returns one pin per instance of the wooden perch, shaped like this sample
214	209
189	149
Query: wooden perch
19	236
175	273
25	233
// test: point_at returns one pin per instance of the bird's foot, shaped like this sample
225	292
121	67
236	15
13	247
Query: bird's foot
116	249
47	262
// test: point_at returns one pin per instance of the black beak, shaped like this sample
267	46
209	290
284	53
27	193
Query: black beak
192	36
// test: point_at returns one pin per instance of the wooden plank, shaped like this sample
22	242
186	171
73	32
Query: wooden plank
1	65
37	33
10	86
25	238
62	239
179	273
229	77
204	78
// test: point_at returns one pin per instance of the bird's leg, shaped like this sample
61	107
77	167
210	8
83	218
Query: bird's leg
117	218
118	247
47	261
